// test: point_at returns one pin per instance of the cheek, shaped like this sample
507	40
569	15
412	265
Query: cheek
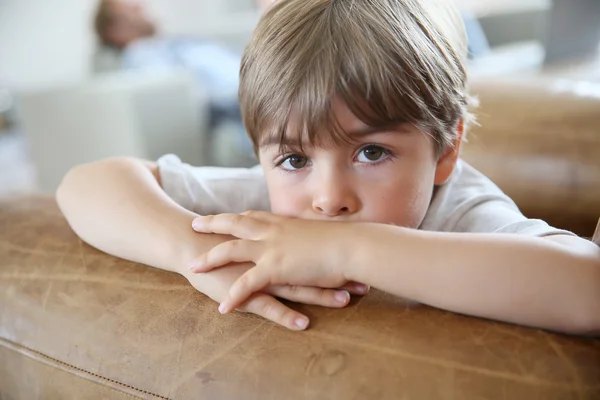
282	203
415	204
403	202
286	206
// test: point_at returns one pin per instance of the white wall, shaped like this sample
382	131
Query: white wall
44	41
204	17
48	42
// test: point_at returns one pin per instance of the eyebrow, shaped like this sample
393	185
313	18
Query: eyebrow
271	140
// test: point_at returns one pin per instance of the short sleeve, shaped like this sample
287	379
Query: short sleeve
213	190
470	203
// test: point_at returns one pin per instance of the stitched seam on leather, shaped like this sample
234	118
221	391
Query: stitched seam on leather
83	370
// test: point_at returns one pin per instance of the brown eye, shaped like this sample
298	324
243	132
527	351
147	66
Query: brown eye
294	162
371	154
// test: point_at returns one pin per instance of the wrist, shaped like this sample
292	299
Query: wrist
376	255
186	244
362	251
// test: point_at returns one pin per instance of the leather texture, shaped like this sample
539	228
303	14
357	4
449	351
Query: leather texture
77	323
29	376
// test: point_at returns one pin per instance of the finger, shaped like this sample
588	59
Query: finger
233	251
252	281
311	295
241	226
262	215
356	288
270	308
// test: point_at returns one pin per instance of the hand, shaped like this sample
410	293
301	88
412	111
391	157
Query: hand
216	285
286	251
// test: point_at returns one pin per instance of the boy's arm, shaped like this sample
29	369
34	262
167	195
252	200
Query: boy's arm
119	207
551	283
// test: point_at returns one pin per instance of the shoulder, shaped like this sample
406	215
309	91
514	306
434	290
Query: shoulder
170	163
213	190
471	202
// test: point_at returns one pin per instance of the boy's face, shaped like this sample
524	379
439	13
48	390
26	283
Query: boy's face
386	177
130	23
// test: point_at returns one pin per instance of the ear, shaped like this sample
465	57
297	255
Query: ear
447	161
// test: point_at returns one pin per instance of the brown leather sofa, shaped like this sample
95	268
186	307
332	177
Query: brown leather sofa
79	324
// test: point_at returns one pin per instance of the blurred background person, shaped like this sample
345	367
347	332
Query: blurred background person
264	4
129	39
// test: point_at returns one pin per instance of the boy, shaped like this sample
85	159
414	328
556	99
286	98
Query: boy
356	110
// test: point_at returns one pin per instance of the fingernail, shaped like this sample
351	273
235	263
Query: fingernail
196	224
194	264
222	308
362	289
301	323
342	297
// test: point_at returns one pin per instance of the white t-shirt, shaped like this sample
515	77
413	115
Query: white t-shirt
468	202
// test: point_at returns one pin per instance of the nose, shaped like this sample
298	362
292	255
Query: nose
334	196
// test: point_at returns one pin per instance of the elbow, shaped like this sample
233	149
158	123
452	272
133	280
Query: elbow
76	182
72	184
585	314
584	325
66	188
585	322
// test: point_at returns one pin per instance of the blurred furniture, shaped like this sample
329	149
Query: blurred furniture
76	323
126	113
509	21
539	140
122	114
536	35
573	30
17	175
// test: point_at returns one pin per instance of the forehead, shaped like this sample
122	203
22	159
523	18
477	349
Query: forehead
332	126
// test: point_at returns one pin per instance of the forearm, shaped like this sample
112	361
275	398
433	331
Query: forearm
119	207
528	281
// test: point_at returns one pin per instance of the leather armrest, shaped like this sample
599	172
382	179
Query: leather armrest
79	324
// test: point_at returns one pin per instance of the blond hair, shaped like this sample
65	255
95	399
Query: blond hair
389	61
